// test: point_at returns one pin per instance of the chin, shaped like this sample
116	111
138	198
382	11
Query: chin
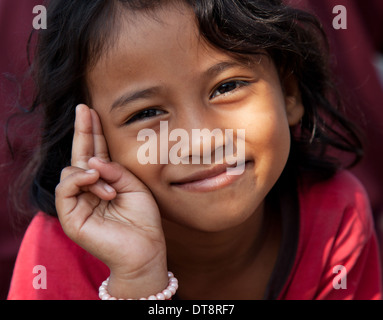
217	216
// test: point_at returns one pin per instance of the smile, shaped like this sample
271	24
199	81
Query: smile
211	179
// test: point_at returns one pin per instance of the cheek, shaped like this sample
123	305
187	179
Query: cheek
123	149
269	143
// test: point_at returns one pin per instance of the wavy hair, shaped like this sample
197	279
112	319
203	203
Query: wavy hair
79	32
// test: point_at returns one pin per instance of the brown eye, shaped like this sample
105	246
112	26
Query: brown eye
227	88
145	114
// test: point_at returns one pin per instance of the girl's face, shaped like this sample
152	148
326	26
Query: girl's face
160	69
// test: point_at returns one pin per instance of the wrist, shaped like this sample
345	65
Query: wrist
165	294
138	284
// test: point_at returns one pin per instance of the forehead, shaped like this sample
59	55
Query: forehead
165	38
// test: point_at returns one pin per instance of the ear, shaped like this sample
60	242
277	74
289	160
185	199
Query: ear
293	101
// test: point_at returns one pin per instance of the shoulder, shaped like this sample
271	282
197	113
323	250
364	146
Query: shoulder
343	187
336	230
331	203
70	272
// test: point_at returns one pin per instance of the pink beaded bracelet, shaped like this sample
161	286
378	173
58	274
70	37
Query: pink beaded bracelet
166	294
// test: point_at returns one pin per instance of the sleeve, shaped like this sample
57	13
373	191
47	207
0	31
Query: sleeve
351	258
337	256
352	271
49	266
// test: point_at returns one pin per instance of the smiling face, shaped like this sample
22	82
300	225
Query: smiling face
160	69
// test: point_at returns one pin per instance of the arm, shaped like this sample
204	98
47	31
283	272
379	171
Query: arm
107	211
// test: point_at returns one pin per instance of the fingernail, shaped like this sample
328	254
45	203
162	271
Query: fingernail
91	171
108	188
102	160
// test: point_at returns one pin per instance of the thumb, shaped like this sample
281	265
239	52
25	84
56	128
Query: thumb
122	180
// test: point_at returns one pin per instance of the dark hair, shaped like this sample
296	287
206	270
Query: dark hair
80	31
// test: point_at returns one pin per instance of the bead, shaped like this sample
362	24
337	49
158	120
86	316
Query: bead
172	290
166	294
174	285
160	296
106	296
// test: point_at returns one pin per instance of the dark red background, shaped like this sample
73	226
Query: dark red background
353	51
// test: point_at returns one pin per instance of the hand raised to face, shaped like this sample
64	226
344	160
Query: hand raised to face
109	212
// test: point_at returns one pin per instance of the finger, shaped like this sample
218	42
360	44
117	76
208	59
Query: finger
83	145
103	190
69	188
68	171
73	222
121	179
99	142
100	188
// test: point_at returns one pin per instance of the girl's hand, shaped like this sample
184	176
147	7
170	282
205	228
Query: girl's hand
110	213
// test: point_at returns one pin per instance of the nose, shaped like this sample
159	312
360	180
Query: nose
205	138
207	146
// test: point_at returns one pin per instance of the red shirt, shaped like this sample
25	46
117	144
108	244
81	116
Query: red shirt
336	229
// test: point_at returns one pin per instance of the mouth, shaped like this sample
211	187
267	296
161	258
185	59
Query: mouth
211	179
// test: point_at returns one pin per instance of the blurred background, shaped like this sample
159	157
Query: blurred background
357	54
15	27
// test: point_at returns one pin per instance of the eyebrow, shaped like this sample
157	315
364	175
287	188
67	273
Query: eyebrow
150	92
223	66
137	95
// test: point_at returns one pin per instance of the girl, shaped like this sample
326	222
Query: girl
282	229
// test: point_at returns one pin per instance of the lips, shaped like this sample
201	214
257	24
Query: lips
207	180
205	174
